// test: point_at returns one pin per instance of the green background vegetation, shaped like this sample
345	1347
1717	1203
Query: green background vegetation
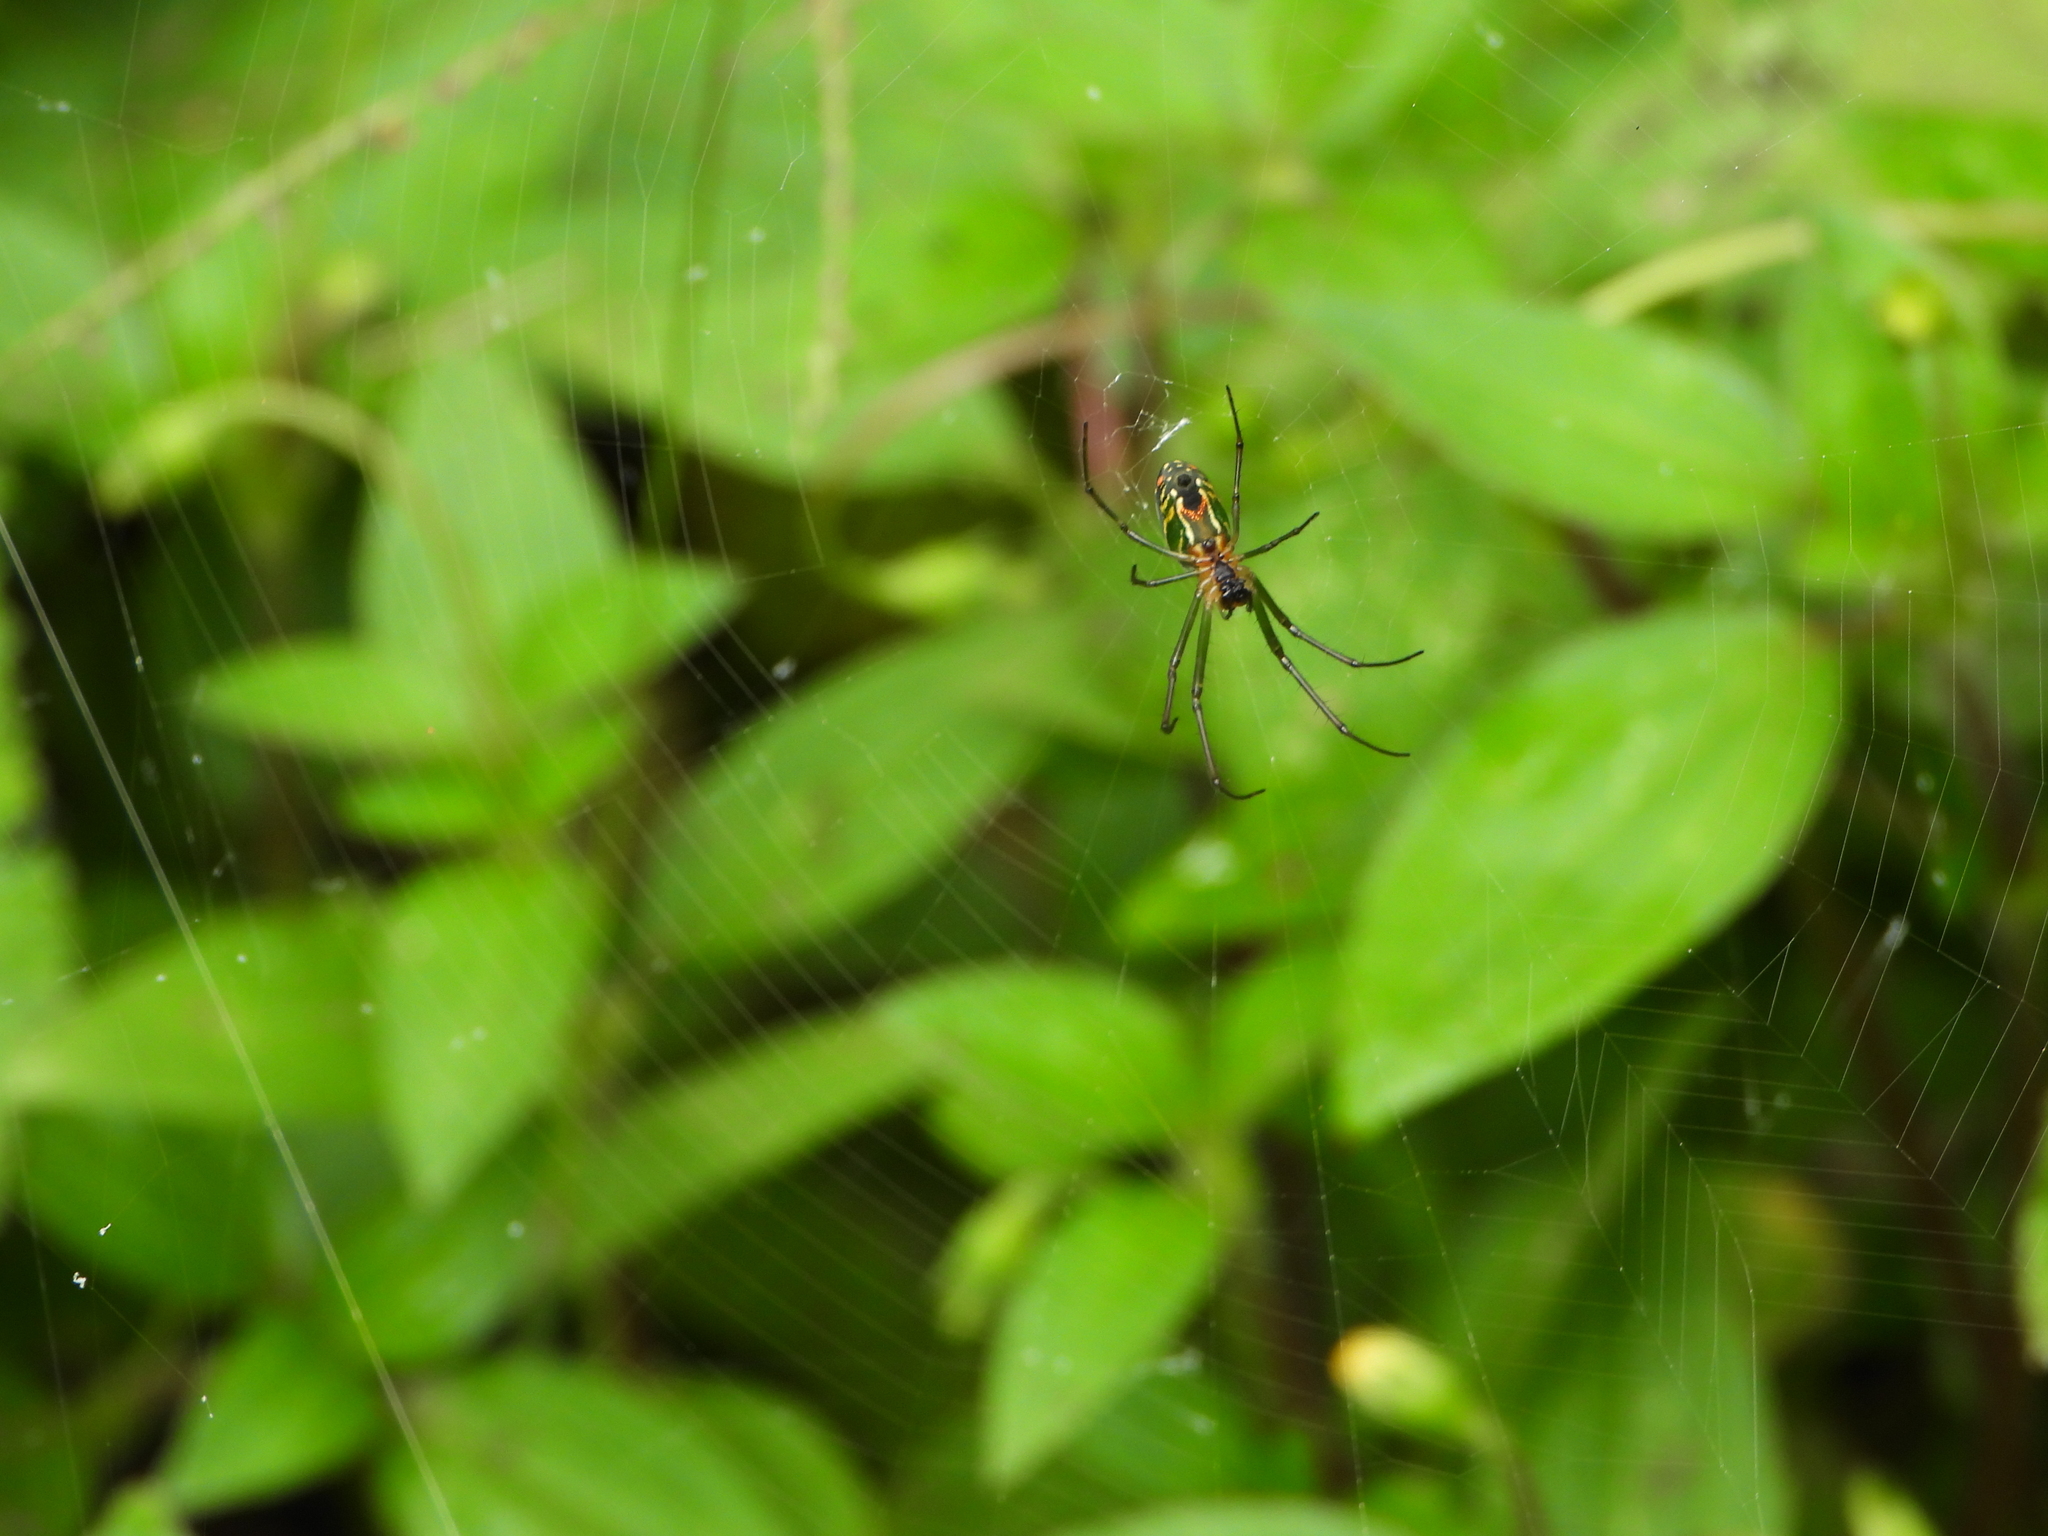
596	934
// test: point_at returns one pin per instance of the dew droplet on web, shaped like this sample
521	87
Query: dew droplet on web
78	1280
783	670
515	1229
106	1229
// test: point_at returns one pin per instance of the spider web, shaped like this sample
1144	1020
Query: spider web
1749	1223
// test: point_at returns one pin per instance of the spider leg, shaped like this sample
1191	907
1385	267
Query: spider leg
1276	543
1166	720
1259	605
1163	581
1236	474
1195	702
1307	639
1088	485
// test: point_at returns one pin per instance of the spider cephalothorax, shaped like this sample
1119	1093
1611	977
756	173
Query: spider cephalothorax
1201	538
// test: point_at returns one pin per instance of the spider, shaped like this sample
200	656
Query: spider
1199	540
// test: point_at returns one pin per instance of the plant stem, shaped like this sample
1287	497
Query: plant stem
1699	264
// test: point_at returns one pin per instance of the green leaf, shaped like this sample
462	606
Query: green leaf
36	946
444	802
341	699
1109	1291
81	398
1235	1517
2031	1251
140	1509
1391	238
611	626
1409	43
176	1211
149	1038
1632	432
846	795
21	785
526	1444
1620	801
1873	449
277	1410
1044	1064
433	1282
797	1467
506	517
484	966
1273	1028
989	1245
1173	1437
695	1139
37	950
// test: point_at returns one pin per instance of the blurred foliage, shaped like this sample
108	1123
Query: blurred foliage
594	933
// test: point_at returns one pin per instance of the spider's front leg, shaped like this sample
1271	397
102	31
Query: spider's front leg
1088	485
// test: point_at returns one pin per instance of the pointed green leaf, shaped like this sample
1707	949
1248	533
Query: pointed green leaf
1620	801
845	795
2030	1249
149	1038
797	1466
1273	1028
504	517
532	1445
699	1137
341	699
1045	1064
140	1509
81	397
610	626
1108	1292
432	1282
484	965
21	785
1633	432
458	801
37	948
177	1211
275	1409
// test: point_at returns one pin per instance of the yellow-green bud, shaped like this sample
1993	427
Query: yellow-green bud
1407	1385
1872	1506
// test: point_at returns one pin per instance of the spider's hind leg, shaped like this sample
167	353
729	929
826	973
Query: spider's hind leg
1201	724
1266	598
1260	604
1166	720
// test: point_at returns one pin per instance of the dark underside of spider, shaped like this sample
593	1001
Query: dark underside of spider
1224	582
